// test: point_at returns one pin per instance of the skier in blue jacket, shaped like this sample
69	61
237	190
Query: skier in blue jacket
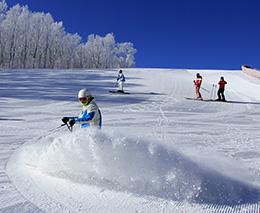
90	114
121	79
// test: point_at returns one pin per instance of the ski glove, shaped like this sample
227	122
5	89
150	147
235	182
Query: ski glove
72	122
65	120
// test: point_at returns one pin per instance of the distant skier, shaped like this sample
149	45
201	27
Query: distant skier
90	114
198	84
121	79
221	83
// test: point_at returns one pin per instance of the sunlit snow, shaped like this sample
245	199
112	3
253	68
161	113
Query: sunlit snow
156	151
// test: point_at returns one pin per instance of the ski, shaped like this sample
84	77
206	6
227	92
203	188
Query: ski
120	92
197	99
207	100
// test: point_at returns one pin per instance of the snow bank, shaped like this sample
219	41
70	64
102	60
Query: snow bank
137	165
251	72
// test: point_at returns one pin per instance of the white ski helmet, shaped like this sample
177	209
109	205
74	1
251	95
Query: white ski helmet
84	93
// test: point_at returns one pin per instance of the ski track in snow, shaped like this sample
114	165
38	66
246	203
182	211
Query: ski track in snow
156	152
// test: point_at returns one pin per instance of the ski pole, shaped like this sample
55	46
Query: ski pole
54	130
215	89
115	84
205	89
211	91
69	127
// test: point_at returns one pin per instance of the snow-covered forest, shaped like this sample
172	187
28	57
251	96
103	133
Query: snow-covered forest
34	40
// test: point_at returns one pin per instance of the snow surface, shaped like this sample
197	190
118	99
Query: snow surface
156	151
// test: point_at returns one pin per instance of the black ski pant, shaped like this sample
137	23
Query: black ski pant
221	95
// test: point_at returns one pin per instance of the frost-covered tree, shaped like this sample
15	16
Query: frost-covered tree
100	51
70	48
104	52
35	40
3	9
125	54
10	35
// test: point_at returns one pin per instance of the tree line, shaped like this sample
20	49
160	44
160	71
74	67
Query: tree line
33	40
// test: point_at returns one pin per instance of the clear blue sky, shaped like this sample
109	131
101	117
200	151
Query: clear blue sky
215	34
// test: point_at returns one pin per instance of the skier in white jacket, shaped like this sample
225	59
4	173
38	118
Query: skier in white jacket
121	79
90	114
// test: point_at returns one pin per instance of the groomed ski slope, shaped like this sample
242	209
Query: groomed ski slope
156	151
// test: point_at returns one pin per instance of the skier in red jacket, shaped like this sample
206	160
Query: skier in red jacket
198	84
221	83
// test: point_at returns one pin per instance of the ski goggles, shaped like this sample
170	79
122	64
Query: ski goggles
83	99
